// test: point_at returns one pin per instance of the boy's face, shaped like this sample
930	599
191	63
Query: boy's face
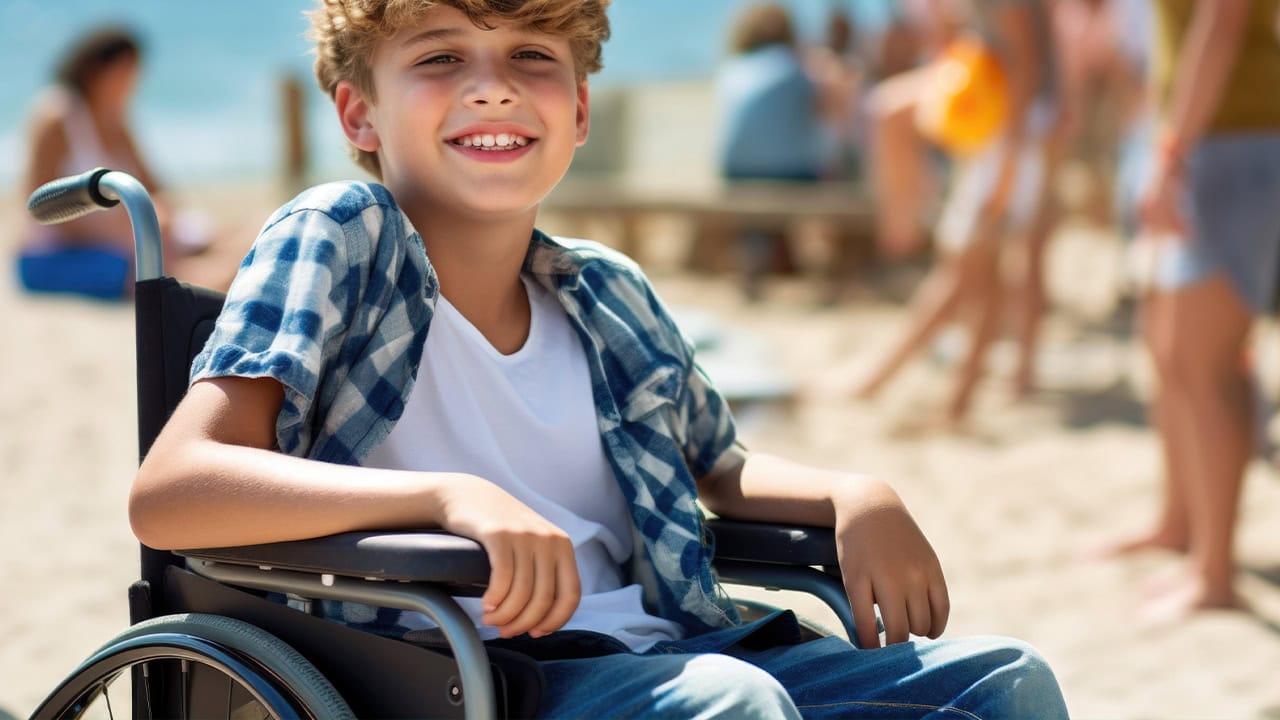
480	123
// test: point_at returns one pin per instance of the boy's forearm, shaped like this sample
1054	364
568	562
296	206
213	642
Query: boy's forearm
766	488
216	495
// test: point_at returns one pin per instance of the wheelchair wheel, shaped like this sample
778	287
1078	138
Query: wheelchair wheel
195	666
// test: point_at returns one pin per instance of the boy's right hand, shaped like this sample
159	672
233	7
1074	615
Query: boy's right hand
533	577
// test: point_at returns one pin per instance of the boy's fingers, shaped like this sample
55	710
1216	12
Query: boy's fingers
568	593
893	612
940	606
518	596
919	618
862	603
501	567
541	596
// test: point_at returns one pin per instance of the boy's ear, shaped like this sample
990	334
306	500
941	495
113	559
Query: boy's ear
584	113
354	114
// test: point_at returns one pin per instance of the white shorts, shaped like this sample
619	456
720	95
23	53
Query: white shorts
960	223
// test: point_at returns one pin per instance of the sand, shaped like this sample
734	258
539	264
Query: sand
1008	505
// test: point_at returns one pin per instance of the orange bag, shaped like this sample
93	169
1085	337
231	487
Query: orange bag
966	97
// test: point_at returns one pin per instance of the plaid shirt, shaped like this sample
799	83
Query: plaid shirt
335	300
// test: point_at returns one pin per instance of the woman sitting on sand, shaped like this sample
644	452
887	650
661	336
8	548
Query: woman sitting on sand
77	125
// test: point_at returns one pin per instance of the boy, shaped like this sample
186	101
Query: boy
553	412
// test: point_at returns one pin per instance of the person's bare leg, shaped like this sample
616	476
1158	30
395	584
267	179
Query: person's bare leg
983	285
1032	291
897	163
1210	329
934	304
1171	414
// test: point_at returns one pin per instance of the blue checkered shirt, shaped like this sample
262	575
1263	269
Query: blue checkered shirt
335	300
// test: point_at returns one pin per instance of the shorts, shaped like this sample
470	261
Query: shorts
94	271
1232	206
960	223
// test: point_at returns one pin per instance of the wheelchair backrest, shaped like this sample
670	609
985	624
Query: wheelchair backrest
173	320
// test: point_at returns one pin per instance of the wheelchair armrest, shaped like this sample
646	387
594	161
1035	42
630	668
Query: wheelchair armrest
769	543
418	556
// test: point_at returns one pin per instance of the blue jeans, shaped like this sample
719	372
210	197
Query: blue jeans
760	670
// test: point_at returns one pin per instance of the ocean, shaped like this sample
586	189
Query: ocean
207	103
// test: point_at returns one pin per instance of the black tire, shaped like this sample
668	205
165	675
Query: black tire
255	666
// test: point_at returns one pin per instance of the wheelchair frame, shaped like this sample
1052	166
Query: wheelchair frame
405	570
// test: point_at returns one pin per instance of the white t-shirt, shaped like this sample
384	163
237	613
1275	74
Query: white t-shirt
527	422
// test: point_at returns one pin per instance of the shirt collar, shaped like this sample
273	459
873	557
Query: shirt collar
551	262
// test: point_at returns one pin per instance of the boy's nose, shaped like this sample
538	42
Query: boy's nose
490	88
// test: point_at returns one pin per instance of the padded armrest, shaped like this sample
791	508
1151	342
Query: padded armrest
765	542
421	556
435	556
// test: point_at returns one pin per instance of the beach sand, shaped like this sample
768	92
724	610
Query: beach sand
1009	505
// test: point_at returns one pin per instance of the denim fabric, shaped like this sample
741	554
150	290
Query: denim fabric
335	301
762	670
1233	182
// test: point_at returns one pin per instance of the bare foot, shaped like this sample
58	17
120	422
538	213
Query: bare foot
1157	539
1188	598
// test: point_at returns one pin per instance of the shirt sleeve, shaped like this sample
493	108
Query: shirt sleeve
284	316
709	428
705	428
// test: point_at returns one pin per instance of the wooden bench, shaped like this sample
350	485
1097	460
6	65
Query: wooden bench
841	213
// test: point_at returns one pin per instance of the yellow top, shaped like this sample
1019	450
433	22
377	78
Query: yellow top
1251	100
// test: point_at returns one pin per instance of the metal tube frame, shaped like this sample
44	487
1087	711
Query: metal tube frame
825	587
115	185
459	632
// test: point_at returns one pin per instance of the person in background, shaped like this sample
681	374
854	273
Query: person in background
81	123
1210	210
837	73
993	202
899	168
772	122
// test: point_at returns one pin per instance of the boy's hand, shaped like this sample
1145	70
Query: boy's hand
533	580
887	561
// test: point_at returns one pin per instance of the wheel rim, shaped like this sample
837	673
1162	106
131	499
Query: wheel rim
212	681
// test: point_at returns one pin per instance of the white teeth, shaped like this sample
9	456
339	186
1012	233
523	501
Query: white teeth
501	141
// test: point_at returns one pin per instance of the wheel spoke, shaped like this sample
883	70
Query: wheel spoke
186	669
146	688
106	696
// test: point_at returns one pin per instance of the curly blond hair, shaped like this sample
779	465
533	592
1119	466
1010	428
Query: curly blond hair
346	31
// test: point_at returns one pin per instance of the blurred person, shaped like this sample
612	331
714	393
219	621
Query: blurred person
82	123
993	202
772	124
899	165
1210	212
837	72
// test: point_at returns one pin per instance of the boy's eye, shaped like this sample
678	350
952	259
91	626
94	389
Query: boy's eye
439	60
532	55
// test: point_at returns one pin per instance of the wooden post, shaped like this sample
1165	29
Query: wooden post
293	176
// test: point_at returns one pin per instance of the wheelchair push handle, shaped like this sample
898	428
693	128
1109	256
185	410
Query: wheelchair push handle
69	198
75	196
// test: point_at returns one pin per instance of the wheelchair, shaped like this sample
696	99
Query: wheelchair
206	641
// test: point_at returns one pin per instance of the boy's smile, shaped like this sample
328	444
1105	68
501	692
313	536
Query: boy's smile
468	120
496	143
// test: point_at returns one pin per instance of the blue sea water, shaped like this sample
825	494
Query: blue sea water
207	106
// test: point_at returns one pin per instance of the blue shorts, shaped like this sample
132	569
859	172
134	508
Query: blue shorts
98	272
1233	210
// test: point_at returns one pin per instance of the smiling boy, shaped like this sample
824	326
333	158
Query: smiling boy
414	353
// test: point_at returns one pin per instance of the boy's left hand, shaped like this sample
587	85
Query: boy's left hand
886	561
